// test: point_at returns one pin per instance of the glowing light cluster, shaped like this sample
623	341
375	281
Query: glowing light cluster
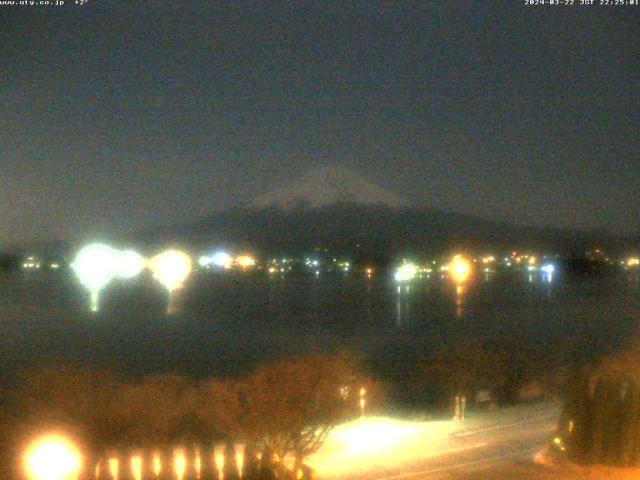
460	269
31	263
97	264
633	262
219	259
245	261
406	272
52	457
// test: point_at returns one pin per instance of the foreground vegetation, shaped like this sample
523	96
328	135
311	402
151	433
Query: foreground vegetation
283	408
601	417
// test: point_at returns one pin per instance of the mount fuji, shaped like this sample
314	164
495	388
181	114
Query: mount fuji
334	208
327	186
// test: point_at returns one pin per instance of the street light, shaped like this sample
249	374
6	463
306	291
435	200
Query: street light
460	269
406	272
95	267
219	259
171	268
52	457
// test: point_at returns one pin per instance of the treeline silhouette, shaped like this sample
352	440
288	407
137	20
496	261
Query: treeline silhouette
601	417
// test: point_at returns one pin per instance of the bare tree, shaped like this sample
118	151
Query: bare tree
292	405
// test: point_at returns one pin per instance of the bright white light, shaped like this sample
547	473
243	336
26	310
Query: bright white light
406	272
52	457
219	259
129	264
370	444
171	268
94	266
371	436
548	268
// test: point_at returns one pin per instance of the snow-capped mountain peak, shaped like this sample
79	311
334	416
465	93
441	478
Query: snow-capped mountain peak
328	185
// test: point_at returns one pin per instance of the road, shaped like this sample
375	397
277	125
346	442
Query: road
484	442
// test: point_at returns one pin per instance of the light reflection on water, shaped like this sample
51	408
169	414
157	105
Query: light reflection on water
231	320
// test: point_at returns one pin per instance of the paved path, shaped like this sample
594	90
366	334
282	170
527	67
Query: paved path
484	442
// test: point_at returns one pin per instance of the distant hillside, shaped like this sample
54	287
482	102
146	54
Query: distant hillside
375	230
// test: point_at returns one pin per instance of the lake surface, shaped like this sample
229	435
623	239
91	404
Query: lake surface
227	322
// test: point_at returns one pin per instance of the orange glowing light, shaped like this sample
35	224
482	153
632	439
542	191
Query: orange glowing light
239	451
157	465
245	261
460	269
114	467
197	465
179	464
218	456
52	457
136	467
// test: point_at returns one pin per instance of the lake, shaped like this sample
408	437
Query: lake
228	321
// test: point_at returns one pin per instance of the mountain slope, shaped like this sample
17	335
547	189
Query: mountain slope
327	186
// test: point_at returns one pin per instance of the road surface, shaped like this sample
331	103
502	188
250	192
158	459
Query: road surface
485	441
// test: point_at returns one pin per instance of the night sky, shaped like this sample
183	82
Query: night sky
119	115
